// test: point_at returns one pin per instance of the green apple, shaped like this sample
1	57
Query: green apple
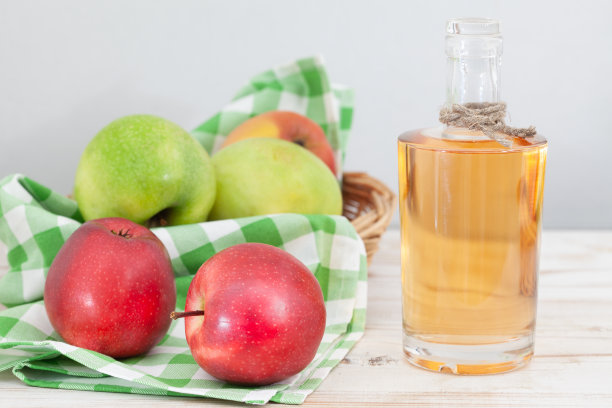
266	176
145	168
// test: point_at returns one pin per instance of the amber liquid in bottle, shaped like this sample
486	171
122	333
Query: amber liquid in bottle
470	222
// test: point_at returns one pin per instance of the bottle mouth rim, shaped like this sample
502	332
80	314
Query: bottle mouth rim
473	26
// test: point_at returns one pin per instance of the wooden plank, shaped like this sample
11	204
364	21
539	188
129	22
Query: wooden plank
571	366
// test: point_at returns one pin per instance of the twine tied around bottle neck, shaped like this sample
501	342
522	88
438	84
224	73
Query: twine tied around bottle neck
487	117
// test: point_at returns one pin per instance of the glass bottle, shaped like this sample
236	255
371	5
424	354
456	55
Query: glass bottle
470	213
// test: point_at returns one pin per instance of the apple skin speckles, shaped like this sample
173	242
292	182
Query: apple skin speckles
111	288
264	315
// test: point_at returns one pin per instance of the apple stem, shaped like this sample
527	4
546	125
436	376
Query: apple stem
125	233
179	315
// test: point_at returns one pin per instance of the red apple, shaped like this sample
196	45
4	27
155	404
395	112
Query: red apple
110	288
263	315
289	126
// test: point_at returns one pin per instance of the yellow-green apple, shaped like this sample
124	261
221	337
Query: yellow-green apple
254	315
143	166
289	126
110	288
266	176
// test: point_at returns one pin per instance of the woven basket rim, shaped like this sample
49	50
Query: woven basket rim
369	204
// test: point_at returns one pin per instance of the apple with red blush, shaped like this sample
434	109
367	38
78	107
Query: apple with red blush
111	288
254	315
289	126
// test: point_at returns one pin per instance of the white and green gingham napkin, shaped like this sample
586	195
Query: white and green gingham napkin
35	221
302	87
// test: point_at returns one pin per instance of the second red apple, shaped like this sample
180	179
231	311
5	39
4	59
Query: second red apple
254	315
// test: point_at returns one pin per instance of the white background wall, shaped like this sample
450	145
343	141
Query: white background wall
67	68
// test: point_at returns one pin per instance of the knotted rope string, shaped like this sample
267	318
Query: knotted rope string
486	117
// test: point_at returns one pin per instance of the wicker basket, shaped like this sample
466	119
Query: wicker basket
369	205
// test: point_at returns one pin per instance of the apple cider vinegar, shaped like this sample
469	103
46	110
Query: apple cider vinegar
470	208
470	213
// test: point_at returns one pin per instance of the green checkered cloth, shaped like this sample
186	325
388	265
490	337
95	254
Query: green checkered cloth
35	221
302	87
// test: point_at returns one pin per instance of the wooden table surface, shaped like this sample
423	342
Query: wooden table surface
572	364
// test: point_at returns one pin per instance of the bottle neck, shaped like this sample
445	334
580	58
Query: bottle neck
473	68
473	80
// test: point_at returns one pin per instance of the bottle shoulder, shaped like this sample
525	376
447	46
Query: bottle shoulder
465	140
